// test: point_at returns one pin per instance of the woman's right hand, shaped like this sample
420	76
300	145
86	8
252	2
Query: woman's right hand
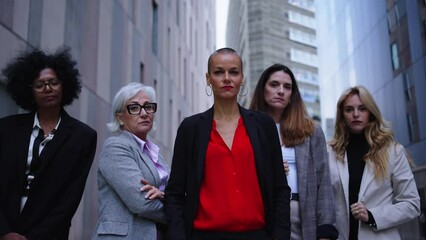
151	191
13	236
286	168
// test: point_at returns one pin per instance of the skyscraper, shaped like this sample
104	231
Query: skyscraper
162	43
382	46
277	31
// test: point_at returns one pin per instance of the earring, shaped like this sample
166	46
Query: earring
209	90
243	91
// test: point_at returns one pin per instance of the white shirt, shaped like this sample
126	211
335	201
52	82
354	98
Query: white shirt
289	154
34	134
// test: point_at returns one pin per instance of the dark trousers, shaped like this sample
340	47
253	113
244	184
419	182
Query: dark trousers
161	231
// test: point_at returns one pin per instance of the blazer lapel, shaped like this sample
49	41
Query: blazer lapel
144	157
23	135
61	135
302	155
342	167
204	129
253	134
367	178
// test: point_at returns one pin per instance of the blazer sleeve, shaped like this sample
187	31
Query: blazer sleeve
119	167
405	204
326	215
67	203
281	190
175	193
4	226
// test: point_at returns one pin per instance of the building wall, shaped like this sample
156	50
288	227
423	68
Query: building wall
356	47
162	43
360	53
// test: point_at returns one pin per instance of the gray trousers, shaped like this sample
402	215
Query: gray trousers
296	227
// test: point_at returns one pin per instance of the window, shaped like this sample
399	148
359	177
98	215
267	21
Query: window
154	27
177	12
394	55
286	15
306	4
302	19
168	47
207	35
302	37
184	86
392	20
407	86
191	43
141	78
410	127
304	57
400	9
305	76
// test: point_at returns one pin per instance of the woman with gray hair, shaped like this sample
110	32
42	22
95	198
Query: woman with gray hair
125	209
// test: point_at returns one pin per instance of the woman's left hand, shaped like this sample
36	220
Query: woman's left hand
359	211
151	191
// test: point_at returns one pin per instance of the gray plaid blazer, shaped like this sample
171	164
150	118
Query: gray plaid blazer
316	202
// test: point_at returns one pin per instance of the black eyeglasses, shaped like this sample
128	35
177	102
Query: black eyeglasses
135	108
40	86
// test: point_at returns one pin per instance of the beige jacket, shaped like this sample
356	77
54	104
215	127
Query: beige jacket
392	201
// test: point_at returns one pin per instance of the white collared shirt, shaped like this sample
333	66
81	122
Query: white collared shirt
34	134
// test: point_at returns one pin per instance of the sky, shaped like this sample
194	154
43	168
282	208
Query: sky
221	17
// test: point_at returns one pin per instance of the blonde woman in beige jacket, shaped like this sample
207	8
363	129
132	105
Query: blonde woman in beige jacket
373	184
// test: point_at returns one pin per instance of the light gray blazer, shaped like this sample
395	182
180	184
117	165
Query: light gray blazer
124	213
392	201
316	201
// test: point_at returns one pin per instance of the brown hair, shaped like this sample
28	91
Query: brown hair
295	124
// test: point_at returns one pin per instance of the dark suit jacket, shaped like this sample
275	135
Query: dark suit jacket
56	191
183	189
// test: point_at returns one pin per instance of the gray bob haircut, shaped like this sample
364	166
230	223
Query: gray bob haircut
122	98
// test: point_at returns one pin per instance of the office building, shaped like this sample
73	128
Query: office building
277	31
380	45
162	43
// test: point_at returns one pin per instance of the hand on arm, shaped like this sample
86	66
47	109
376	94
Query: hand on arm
151	191
12	236
286	167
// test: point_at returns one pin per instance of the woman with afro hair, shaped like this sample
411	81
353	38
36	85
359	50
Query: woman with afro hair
45	154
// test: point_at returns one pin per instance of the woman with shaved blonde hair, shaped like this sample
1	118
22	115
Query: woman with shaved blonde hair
373	185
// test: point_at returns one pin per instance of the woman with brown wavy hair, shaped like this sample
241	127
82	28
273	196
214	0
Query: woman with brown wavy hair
303	148
372	181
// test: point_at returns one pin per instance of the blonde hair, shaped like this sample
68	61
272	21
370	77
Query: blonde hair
377	132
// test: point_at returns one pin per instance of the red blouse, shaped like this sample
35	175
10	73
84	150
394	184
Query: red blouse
230	198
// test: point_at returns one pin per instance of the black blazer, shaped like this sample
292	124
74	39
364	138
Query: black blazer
187	172
56	191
